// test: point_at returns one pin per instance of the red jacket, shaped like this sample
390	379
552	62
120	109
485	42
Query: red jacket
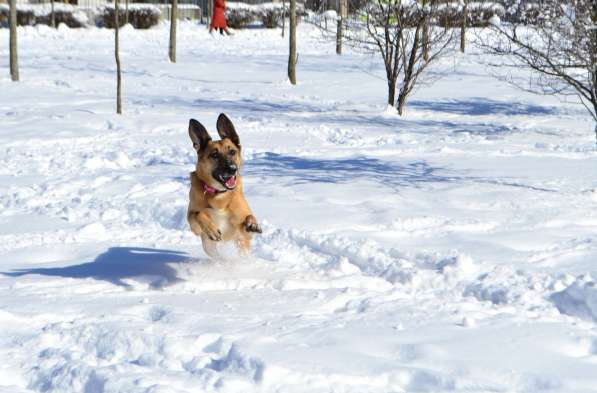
218	19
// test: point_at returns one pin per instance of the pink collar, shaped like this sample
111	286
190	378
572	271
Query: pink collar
209	189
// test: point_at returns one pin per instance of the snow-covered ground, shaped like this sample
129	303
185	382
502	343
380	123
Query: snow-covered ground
453	249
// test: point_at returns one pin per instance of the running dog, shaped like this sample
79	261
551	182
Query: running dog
218	210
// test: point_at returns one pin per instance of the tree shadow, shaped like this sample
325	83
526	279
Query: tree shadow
149	265
479	106
306	113
303	170
311	170
255	105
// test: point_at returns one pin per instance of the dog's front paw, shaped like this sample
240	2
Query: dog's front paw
196	229
250	224
212	232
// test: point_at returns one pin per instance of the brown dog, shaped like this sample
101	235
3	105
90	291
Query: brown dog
217	208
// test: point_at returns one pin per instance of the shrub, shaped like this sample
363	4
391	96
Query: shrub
140	16
61	16
239	15
237	18
478	15
25	16
3	15
271	18
36	14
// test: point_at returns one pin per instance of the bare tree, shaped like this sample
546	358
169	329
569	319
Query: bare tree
283	17
14	64
557	41
117	57
343	13
173	20
463	26
210	10
126	12
425	36
52	15
292	57
395	29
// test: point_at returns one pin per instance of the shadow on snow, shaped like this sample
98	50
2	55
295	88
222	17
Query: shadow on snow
302	170
300	112
119	263
479	106
306	170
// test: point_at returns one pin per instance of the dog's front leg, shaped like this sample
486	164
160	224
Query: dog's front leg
202	225
210	247
250	224
193	223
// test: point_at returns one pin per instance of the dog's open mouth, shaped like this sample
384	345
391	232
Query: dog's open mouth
228	181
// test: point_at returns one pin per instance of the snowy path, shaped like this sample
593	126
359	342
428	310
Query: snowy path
450	250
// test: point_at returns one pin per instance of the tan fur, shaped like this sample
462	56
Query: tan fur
223	216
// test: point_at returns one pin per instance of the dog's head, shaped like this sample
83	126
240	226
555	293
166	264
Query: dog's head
218	162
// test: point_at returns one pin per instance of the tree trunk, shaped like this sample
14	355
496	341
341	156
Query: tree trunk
126	12
52	16
401	103
342	14
209	12
283	16
594	65
117	57
463	27
425	36
392	92
14	64
173	21
292	44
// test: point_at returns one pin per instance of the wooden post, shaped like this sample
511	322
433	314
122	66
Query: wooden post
14	64
117	57
292	44
173	21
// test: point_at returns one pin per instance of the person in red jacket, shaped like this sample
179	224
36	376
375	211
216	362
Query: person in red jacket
218	19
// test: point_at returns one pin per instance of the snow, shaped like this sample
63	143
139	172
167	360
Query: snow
495	20
452	249
578	299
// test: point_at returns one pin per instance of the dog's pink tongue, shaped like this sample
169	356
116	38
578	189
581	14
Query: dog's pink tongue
231	182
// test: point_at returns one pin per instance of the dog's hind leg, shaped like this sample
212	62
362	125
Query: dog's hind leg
244	245
210	247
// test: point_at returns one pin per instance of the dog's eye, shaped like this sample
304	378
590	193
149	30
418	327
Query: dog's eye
214	154
231	152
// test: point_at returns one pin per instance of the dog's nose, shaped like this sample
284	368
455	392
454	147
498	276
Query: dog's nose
231	169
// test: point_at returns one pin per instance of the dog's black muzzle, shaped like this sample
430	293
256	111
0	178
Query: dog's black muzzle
226	174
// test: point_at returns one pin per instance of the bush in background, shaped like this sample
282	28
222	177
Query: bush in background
239	15
60	16
25	16
479	14
271	18
140	16
40	14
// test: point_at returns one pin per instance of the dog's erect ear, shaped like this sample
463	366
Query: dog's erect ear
198	134
226	129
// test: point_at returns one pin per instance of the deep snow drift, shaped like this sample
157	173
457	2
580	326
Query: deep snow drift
453	249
